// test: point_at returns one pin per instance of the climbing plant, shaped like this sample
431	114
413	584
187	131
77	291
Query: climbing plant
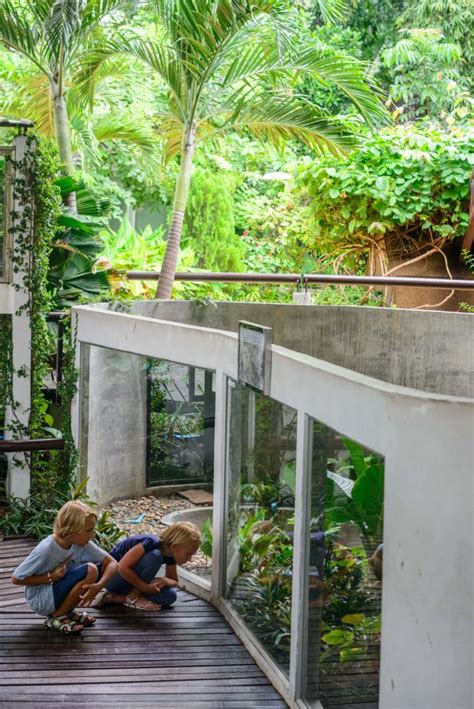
34	227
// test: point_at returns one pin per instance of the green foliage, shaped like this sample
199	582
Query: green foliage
454	18
35	515
376	23
425	73
365	505
206	534
127	250
72	271
268	493
209	223
405	185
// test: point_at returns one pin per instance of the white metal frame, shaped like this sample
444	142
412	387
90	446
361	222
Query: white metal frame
426	440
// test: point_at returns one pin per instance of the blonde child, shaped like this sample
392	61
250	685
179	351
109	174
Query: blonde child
139	559
62	571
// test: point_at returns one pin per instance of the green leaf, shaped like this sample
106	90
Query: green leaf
338	637
353	619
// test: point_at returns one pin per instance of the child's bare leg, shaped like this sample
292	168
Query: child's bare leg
72	599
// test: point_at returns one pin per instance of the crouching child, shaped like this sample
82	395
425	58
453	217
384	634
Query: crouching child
66	570
139	559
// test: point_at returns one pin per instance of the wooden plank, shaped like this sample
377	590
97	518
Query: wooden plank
185	657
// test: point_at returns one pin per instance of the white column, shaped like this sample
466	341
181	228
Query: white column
18	481
220	503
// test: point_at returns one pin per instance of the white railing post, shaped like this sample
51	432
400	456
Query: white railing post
219	516
19	414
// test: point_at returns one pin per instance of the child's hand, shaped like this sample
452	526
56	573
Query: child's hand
165	582
89	592
58	572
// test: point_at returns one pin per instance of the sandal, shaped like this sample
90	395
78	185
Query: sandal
82	618
63	624
141	604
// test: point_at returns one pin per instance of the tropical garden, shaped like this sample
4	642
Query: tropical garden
265	136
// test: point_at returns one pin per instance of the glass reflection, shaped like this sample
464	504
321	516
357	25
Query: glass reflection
180	411
121	423
345	571
260	516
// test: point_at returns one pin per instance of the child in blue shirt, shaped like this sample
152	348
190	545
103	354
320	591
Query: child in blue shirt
139	559
62	571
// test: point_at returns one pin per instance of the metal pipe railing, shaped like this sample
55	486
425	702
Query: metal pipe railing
305	279
25	446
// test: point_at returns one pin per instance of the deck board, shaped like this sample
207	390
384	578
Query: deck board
187	656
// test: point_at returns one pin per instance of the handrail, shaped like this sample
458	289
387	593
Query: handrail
305	279
38	444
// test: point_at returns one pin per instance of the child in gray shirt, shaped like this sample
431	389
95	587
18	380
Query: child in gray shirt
62	571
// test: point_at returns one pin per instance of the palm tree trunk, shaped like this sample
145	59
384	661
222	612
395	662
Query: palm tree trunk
168	267
63	138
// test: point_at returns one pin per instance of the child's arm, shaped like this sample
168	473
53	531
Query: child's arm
41	579
171	579
90	591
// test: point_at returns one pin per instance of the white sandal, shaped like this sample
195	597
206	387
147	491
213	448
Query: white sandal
100	599
140	603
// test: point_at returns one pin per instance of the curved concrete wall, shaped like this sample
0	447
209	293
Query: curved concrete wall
431	351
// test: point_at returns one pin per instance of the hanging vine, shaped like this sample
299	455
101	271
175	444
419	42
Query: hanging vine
34	228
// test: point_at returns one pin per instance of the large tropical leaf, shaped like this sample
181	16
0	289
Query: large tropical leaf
280	118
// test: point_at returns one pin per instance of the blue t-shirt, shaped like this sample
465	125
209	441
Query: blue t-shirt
45	557
149	541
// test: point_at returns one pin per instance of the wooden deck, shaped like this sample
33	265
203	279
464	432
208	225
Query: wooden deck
184	657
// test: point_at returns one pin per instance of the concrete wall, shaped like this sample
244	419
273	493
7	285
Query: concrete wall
431	351
113	430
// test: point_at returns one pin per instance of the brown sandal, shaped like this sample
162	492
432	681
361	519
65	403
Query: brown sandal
140	603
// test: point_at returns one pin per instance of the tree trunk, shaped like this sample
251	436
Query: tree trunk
168	267
63	139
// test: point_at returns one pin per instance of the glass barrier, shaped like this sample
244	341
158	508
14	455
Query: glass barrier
138	412
180	414
261	460
345	571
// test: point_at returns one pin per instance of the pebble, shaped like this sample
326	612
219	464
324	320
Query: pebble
154	508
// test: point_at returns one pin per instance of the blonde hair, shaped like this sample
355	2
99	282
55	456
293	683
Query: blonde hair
184	533
72	518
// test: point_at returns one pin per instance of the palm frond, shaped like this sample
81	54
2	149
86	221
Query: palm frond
17	32
279	119
258	62
123	128
333	11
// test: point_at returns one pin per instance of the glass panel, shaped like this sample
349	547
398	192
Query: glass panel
181	411
122	425
261	459
345	571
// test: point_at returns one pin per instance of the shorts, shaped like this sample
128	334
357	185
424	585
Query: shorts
62	588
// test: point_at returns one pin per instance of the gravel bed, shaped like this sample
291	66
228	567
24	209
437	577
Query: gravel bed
154	508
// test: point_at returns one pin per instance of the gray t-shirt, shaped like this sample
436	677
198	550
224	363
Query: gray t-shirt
45	557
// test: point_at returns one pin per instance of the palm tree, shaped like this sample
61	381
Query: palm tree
230	65
29	96
54	35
